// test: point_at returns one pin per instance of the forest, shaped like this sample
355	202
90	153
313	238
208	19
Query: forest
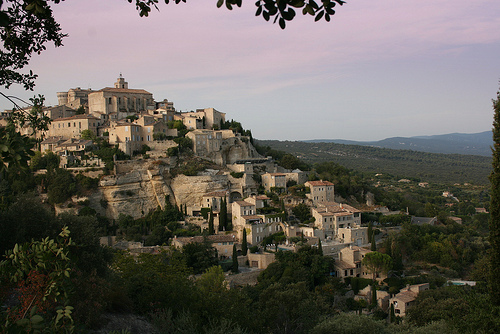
185	291
428	167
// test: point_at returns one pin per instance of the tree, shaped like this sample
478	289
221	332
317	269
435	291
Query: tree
494	279
223	215
88	135
302	212
234	268
377	263
244	243
373	243
211	223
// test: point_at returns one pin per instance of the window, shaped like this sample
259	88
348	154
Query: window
69	124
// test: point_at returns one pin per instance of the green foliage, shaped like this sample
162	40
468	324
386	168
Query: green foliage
223	218
61	187
307	266
463	309
347	323
494	281
377	263
244	243
433	167
41	269
49	160
302	212
185	144
291	162
159	136
154	282
200	256
237	175
211	223
15	149
88	135
234	257
25	219
31	26
212	281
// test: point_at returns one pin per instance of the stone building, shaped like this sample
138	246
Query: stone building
208	118
274	181
74	98
72	127
331	217
321	191
120	100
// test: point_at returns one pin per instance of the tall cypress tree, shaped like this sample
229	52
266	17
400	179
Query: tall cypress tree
374	244
320	247
235	260
223	215
244	244
494	279
211	223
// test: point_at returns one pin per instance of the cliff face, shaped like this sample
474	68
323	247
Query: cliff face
133	193
231	150
144	185
140	186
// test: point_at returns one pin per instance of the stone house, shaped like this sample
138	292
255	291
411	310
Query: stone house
120	100
274	180
61	111
331	216
259	201
222	242
208	118
296	175
349	262
405	298
74	98
72	127
257	226
321	191
131	136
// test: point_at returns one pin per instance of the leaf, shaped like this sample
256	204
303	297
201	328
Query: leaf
220	3
282	23
36	319
319	16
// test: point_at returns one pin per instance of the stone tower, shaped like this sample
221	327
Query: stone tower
121	83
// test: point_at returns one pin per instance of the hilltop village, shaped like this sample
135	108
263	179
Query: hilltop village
141	159
130	119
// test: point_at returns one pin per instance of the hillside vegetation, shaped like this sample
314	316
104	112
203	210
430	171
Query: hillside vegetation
428	167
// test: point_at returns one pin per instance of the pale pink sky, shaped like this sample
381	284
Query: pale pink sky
380	69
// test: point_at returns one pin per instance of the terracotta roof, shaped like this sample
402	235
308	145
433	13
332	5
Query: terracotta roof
320	183
123	90
84	116
262	197
277	174
344	265
243	203
406	296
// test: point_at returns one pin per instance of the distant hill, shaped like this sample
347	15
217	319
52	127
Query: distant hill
453	143
425	166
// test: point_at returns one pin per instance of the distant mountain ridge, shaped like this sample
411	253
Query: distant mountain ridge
453	143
